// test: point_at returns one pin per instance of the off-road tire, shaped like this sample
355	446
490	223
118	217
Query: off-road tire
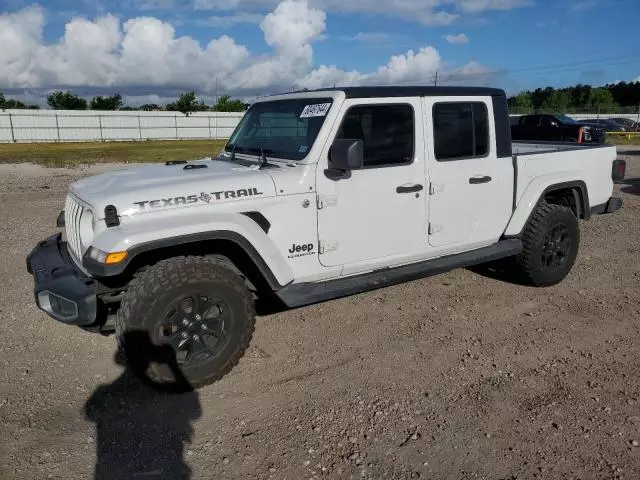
153	290
542	223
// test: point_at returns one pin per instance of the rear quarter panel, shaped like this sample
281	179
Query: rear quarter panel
537	171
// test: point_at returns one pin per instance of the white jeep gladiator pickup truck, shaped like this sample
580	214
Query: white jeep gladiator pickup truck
316	195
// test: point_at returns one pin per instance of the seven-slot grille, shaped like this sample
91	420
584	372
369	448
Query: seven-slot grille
72	214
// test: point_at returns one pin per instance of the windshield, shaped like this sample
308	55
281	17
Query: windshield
565	119
281	129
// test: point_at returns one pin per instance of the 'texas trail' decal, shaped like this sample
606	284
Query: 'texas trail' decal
203	197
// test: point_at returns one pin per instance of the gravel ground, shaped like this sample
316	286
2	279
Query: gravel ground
455	376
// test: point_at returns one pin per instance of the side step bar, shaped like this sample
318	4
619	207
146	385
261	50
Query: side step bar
296	295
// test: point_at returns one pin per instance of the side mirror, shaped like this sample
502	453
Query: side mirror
345	155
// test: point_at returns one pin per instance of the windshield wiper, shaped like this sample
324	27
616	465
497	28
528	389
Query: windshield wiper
263	159
261	152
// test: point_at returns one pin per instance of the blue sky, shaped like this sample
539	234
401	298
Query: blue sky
513	44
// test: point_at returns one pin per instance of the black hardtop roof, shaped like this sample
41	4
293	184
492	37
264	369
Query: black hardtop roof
413	91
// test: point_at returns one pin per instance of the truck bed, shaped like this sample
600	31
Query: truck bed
540	163
531	147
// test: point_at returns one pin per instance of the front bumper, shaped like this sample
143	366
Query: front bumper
60	290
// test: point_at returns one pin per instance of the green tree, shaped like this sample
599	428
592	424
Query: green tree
557	101
226	104
60	100
186	103
7	103
150	107
112	102
521	103
602	99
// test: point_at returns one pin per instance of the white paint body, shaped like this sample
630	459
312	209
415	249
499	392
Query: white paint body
355	225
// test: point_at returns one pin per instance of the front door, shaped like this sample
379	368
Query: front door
380	210
470	194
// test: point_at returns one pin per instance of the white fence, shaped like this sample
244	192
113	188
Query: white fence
90	126
584	116
31	126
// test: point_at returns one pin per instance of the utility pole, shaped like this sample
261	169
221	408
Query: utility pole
435	83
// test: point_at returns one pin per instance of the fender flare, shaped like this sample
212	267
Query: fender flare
581	197
101	270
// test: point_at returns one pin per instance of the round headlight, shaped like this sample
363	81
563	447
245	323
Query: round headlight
86	229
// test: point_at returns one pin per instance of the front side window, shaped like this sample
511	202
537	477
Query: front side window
386	130
284	129
460	130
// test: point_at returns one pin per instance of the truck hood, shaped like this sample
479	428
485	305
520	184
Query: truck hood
159	187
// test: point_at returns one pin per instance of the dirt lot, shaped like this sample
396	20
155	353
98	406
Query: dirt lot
456	376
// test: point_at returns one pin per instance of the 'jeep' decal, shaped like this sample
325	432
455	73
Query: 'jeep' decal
203	197
301	250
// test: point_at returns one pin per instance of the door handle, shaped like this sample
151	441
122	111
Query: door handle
409	188
479	179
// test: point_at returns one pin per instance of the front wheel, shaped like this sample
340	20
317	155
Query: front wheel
550	244
185	321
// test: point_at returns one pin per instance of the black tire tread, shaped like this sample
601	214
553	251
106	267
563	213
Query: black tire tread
533	232
163	275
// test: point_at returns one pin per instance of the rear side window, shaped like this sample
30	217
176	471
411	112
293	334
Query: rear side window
386	130
460	130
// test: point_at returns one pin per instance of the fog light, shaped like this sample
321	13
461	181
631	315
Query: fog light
62	306
57	306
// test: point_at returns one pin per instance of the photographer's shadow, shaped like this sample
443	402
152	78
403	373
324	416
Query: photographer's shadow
142	428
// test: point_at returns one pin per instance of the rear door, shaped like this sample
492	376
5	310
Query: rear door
471	188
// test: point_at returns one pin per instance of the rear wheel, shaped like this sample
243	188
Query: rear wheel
550	245
197	309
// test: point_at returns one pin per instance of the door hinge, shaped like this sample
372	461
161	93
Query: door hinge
324	202
435	188
434	228
325	246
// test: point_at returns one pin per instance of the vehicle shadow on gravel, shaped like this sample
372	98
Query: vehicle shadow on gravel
629	152
631	186
500	270
142	427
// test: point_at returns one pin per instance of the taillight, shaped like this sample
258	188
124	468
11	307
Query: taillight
618	170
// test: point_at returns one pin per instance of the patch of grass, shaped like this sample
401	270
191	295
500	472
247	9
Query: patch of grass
623	140
72	154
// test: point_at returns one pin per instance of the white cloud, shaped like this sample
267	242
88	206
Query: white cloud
458	39
426	12
155	4
583	5
374	38
226	21
293	24
477	6
407	68
144	56
637	79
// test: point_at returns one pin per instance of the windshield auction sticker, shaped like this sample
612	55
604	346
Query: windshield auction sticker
316	110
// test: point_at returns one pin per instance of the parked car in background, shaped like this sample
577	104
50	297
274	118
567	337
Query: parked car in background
627	123
606	123
555	128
